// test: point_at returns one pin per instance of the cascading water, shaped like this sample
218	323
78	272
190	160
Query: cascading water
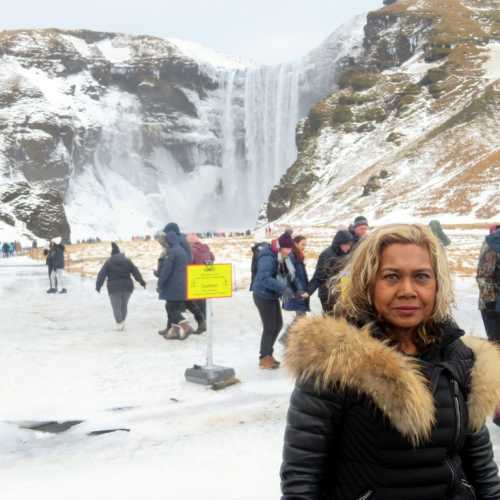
258	137
201	148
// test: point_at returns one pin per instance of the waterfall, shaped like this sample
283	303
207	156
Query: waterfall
264	125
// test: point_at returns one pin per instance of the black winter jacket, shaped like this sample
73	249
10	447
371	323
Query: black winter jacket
57	255
368	422
330	263
118	269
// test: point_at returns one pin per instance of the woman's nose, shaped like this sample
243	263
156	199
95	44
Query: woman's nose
406	288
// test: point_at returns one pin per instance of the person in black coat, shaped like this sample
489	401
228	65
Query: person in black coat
49	261
172	286
118	270
56	256
391	401
330	263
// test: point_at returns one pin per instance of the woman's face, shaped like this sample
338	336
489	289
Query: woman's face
301	245
405	288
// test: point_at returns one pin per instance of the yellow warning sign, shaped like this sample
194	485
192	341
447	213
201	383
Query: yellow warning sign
213	281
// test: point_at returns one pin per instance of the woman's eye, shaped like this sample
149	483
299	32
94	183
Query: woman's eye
423	277
391	277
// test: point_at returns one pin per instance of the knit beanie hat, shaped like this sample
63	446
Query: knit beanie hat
360	221
285	241
114	248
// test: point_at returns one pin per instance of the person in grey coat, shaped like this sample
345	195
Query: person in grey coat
118	270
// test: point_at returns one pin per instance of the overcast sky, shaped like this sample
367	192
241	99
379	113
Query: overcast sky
267	31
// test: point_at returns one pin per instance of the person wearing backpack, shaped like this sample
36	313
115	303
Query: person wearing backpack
270	283
201	255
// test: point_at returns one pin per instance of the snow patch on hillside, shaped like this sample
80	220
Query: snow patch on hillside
492	65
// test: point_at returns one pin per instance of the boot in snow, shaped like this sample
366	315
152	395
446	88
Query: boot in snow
173	332
268	363
163	332
63	290
118	327
51	290
202	327
186	330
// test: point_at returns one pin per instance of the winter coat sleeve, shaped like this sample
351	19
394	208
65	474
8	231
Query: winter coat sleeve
136	274
266	270
166	269
486	275
479	465
313	423
103	274
319	276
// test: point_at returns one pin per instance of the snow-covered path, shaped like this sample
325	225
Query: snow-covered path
61	360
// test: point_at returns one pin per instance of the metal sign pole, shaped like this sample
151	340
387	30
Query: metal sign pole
210	336
202	280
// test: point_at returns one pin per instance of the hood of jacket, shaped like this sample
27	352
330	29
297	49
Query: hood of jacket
334	353
343	236
493	241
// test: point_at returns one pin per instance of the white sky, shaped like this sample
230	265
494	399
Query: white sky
267	31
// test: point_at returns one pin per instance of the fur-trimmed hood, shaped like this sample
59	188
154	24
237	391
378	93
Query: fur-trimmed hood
332	352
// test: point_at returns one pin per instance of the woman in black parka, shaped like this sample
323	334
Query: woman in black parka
390	403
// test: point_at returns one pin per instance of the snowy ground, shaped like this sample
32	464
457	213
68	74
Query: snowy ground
61	360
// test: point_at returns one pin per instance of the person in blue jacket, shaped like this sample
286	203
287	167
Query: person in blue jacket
269	285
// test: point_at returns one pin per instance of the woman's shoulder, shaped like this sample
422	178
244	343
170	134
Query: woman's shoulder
484	385
331	354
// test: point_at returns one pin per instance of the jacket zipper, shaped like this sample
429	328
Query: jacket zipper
458	416
452	470
366	496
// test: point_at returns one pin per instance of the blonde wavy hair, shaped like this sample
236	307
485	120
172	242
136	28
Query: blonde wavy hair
355	287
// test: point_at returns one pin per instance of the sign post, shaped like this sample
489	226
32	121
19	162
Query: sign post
208	282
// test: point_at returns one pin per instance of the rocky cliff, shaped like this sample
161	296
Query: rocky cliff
103	134
411	132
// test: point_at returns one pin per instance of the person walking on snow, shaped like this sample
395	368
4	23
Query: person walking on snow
118	270
172	287
49	261
330	263
269	284
57	262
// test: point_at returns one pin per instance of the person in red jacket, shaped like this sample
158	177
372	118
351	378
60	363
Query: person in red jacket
201	254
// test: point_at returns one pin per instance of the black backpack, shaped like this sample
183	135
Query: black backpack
256	249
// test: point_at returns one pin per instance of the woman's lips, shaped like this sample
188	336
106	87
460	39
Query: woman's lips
406	310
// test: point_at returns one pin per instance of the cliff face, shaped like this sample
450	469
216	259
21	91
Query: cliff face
411	131
112	135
